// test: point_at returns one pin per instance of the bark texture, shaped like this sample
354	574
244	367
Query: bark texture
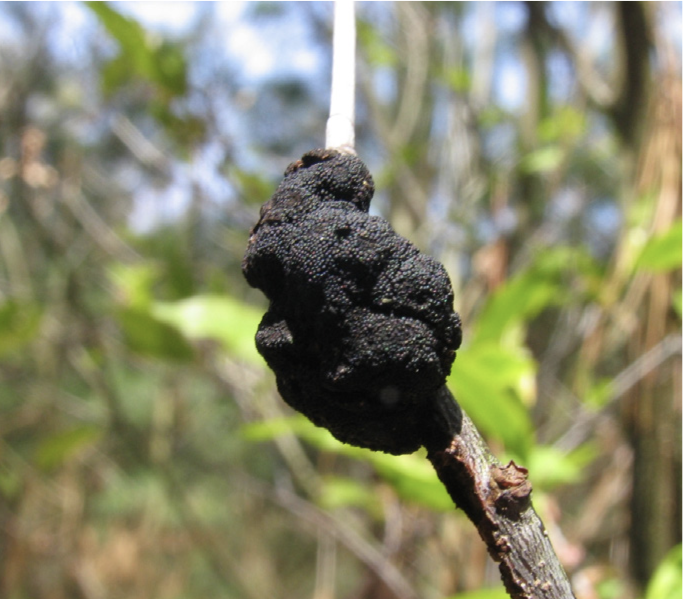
497	499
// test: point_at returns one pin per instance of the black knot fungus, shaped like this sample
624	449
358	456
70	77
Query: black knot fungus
360	331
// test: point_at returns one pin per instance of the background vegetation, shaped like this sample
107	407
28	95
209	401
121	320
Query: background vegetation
534	148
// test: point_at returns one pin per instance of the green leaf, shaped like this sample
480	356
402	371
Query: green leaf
19	324
267	430
302	427
170	68
549	467
149	336
611	588
508	367
495	593
599	393
115	74
10	480
134	283
666	581
543	160
411	476
185	130
126	31
677	301
131	39
493	383
225	319
521	298
341	491
60	447
378	53
663	252
459	79
160	63
494	408
567	124
253	186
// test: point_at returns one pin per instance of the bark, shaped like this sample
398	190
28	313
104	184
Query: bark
497	499
635	42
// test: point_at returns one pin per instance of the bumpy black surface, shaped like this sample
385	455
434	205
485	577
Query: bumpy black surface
360	331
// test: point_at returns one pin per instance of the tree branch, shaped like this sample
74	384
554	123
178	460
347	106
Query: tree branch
361	333
497	499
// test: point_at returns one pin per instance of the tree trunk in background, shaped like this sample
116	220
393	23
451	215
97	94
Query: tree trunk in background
655	501
654	407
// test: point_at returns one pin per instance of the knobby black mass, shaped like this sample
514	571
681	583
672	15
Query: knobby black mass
360	330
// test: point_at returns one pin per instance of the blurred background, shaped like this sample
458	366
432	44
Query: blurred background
534	148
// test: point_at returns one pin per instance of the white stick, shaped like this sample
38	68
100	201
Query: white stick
340	132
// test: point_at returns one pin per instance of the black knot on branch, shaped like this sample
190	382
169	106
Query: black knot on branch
360	331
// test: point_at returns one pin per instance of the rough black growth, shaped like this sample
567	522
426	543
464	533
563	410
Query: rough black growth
360	331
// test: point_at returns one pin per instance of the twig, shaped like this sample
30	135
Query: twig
347	535
340	132
497	499
585	420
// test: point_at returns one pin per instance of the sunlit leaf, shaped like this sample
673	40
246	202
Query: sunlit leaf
507	367
19	324
161	63
302	427
666	581
130	37
566	124
459	79
376	50
126	31
495	382
495	410
495	593
677	301
611	588
149	336
663	252
267	430
519	299
550	467
412	476
543	160
57	448
599	393
340	491
222	318
134	282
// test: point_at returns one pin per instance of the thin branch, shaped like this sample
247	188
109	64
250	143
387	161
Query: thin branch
340	132
100	232
140	145
585	421
364	549
415	88
497	499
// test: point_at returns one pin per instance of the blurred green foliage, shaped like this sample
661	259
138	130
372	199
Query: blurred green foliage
666	581
144	451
